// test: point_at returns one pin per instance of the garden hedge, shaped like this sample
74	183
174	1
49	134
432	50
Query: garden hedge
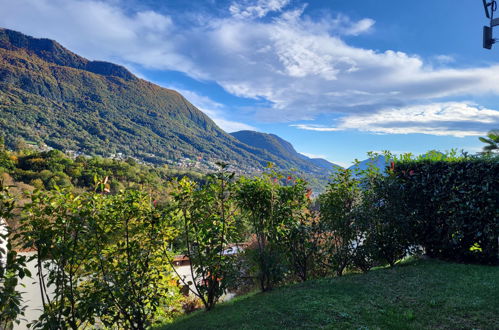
454	207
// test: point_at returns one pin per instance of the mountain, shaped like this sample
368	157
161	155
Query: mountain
378	161
284	150
49	95
320	162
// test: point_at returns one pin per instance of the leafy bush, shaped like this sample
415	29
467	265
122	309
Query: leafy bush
5	161
384	221
131	282
99	256
338	207
258	199
302	241
276	207
208	225
364	218
12	267
455	206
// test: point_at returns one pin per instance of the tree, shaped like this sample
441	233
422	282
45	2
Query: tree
99	256
130	281
303	240
208	220
297	226
283	227
491	141
259	198
338	215
55	226
12	267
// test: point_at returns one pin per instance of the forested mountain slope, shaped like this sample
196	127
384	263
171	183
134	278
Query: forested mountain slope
284	150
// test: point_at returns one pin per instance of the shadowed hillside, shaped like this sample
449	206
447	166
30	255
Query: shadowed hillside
284	150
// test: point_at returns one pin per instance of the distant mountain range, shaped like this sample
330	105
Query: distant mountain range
49	95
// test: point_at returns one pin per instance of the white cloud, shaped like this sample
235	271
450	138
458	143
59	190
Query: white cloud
309	155
317	128
444	59
344	25
449	118
256	9
361	26
300	65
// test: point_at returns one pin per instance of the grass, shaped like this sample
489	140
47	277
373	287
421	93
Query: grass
419	294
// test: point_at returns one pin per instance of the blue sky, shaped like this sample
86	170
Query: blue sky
336	78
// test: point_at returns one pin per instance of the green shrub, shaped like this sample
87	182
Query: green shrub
364	219
303	241
100	256
383	221
338	212
455	206
276	206
258	199
12	267
207	219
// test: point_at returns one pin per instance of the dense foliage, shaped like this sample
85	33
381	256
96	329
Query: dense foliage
106	254
12	267
208	225
276	213
339	228
47	169
385	222
454	206
99	258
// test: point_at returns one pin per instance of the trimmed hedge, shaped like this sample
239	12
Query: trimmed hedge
454	207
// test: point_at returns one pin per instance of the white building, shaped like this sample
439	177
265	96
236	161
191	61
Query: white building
3	243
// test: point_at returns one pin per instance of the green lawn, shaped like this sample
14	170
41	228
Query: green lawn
419	294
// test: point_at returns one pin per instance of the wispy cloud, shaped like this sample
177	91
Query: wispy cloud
256	9
346	26
444	59
317	128
309	155
450	118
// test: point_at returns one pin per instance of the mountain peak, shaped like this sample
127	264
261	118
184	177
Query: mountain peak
109	69
53	52
285	150
271	142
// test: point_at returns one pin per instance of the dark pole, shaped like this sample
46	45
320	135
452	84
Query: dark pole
488	39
